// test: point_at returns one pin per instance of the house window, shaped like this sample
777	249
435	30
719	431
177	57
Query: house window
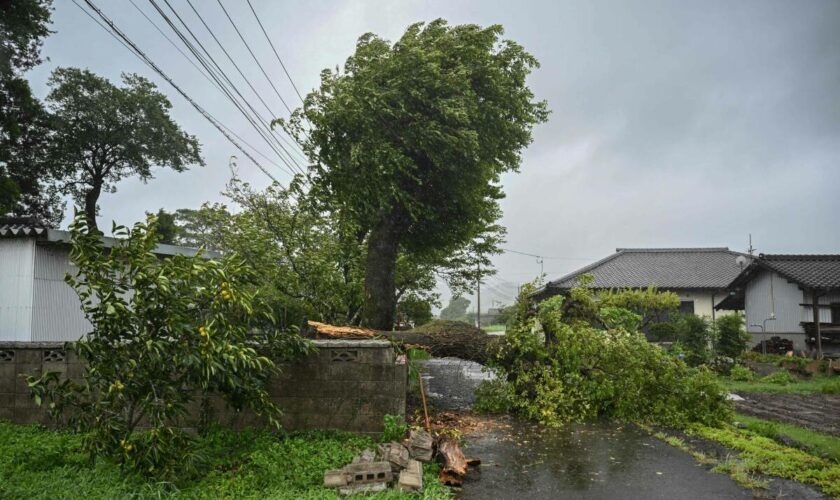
835	314
686	307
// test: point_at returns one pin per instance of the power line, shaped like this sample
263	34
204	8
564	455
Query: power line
253	56
226	84
294	164
543	256
275	51
256	60
115	32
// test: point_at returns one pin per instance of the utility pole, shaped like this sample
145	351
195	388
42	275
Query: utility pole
817	329
478	295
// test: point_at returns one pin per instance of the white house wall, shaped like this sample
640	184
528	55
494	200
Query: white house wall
17	262
57	309
704	302
786	297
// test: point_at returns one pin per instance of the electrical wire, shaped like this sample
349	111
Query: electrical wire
275	51
121	37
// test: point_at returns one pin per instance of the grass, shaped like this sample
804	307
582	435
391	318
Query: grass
494	328
818	384
759	455
823	445
40	463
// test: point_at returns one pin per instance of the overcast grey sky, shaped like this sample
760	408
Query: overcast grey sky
674	123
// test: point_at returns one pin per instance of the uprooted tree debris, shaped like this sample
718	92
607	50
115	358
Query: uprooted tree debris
440	338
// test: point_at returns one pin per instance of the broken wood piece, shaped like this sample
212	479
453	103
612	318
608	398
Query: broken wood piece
473	462
454	463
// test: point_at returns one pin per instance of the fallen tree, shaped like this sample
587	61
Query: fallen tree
440	338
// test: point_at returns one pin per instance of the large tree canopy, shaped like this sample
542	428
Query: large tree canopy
24	188
103	133
410	141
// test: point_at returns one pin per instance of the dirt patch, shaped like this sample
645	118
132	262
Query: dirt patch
818	412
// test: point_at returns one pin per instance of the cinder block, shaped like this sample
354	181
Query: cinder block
336	478
7	413
76	371
381	372
7	400
8	377
24	401
411	479
28	356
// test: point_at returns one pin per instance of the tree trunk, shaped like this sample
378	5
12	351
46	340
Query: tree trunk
380	275
450	339
91	198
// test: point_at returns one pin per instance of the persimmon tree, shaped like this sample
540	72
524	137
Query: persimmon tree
410	139
164	333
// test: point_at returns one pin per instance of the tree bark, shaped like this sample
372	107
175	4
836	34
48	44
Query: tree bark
380	274
459	341
91	199
453	461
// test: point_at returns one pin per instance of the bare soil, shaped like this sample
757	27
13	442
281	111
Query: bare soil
818	412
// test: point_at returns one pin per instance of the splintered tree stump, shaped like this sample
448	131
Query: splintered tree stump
454	463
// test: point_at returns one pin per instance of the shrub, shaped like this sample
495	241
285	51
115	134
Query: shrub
781	377
563	369
741	373
494	396
164	332
732	338
694	333
394	428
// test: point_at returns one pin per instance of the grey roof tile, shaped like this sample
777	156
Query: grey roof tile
11	227
812	271
707	268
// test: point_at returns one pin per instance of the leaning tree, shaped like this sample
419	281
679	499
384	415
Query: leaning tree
103	133
410	140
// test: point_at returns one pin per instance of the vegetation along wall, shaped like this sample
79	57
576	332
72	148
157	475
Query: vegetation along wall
346	384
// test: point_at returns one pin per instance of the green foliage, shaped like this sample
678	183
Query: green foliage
415	310
456	310
648	303
384	134
741	373
832	387
494	396
164	332
103	133
394	428
563	369
38	463
762	455
167	230
24	131
813	385
823	445
781	377
695	335
732	338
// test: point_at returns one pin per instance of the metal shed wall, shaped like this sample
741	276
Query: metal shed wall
57	314
17	262
787	298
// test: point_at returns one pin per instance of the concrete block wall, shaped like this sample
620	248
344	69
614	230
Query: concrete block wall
346	384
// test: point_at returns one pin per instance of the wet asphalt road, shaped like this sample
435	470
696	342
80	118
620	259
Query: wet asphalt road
593	461
590	461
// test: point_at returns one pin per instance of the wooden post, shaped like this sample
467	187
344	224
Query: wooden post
816	307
